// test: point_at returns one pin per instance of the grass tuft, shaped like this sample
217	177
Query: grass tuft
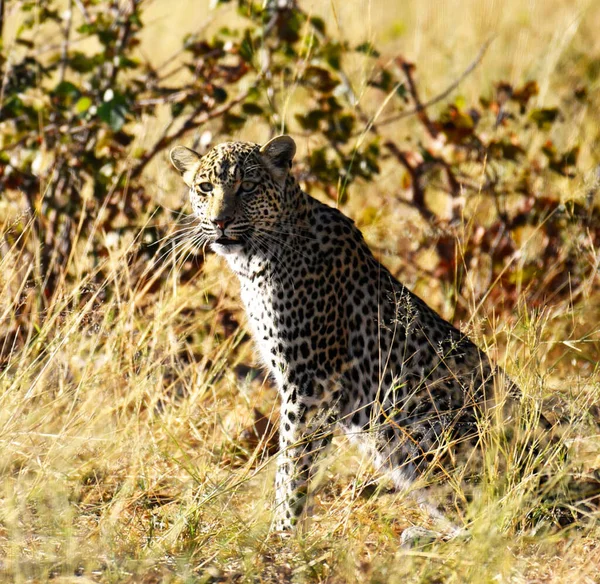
130	446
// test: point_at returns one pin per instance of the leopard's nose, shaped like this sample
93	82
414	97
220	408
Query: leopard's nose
222	222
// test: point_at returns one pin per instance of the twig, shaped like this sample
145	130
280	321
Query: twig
48	129
124	32
416	177
419	108
175	97
190	124
64	57
83	11
2	7
168	61
42	50
407	69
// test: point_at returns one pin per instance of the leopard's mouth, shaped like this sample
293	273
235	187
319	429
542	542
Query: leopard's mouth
224	240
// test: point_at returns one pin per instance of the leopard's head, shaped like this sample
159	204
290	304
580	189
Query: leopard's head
237	190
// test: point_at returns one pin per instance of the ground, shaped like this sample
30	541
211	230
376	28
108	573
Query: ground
127	454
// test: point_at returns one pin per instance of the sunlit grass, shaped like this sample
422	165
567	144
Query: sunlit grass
121	416
122	408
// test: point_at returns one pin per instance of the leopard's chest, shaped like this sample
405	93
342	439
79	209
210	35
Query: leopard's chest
267	320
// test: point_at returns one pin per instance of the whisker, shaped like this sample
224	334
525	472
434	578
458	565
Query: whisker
186	249
281	241
179	244
176	234
281	264
286	233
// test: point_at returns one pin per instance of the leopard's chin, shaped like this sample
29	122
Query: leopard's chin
226	245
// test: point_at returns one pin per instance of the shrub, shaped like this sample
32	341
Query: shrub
69	119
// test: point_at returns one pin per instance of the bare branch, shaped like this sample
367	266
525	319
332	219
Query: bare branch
175	97
121	44
195	120
416	176
2	7
82	9
407	69
64	56
422	106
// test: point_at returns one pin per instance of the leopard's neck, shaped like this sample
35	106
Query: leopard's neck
272	250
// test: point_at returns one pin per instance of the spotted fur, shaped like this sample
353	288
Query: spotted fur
347	344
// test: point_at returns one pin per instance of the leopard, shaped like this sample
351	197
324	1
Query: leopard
349	347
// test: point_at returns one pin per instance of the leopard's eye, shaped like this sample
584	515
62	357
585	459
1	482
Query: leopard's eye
205	187
247	186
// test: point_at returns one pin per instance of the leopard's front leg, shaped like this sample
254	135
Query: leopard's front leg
305	431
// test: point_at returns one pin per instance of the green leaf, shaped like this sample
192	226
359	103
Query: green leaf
318	23
311	120
66	89
83	105
127	63
320	79
134	18
570	157
340	128
401	91
65	94
107	36
564	164
87	28
383	80
368	49
233	122
225	31
82	63
177	108
544	117
318	162
332	53
246	50
522	95
114	112
252	109
505	148
25	43
291	27
219	94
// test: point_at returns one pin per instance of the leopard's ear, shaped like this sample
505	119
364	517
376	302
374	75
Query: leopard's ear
186	161
278	153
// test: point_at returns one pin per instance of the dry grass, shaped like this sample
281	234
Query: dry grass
120	423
